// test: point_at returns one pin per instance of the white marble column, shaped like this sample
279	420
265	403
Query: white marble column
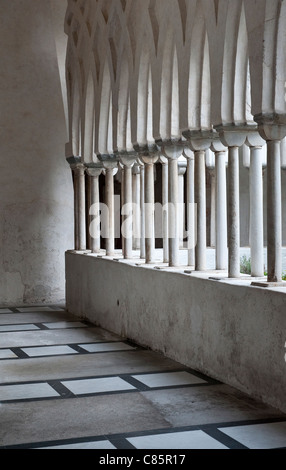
182	167
127	209
191	212
173	213
136	206
122	197
173	152
274	212
233	213
110	172
256	238
200	200
94	209
221	211
142	211
149	208
210	164
165	200
79	207
233	139
256	213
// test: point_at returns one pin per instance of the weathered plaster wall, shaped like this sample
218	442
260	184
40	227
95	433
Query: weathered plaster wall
234	333
36	204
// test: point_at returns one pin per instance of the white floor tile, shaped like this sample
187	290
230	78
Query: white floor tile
168	379
86	386
26	391
64	324
105	347
259	436
23	327
7	354
84	446
180	440
48	351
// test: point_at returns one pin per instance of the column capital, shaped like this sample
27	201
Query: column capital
233	135
128	160
188	153
78	168
163	160
94	172
147	149
172	148
198	140
271	126
109	164
72	160
148	159
217	145
254	139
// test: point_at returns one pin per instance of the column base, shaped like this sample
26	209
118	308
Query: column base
79	252
268	284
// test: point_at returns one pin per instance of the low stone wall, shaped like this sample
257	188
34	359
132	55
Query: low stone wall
231	331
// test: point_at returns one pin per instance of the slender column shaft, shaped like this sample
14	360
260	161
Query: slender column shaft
82	211
191	211
181	208
256	212
221	212
173	213
122	206
233	213
136	206
200	198
149	213
109	200
95	216
79	209
75	189
142	215
128	219
213	209
165	198
274	212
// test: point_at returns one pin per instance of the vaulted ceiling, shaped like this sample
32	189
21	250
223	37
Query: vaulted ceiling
142	71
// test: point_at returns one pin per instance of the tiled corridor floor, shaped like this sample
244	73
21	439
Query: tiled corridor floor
66	384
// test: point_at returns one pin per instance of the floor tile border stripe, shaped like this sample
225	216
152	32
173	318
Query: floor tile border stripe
40	327
78	350
125	376
57	384
119	440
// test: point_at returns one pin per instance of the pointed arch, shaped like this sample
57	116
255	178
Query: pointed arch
88	121
198	73
241	77
102	111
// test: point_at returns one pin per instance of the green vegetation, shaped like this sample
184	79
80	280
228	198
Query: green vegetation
245	265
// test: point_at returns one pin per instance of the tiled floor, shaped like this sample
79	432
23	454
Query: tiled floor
66	384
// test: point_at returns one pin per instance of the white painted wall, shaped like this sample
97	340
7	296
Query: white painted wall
234	333
36	203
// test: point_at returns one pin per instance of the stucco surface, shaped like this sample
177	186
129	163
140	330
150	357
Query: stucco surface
234	333
36	204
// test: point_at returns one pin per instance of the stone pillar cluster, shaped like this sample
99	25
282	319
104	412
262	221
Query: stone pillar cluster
185	85
183	221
